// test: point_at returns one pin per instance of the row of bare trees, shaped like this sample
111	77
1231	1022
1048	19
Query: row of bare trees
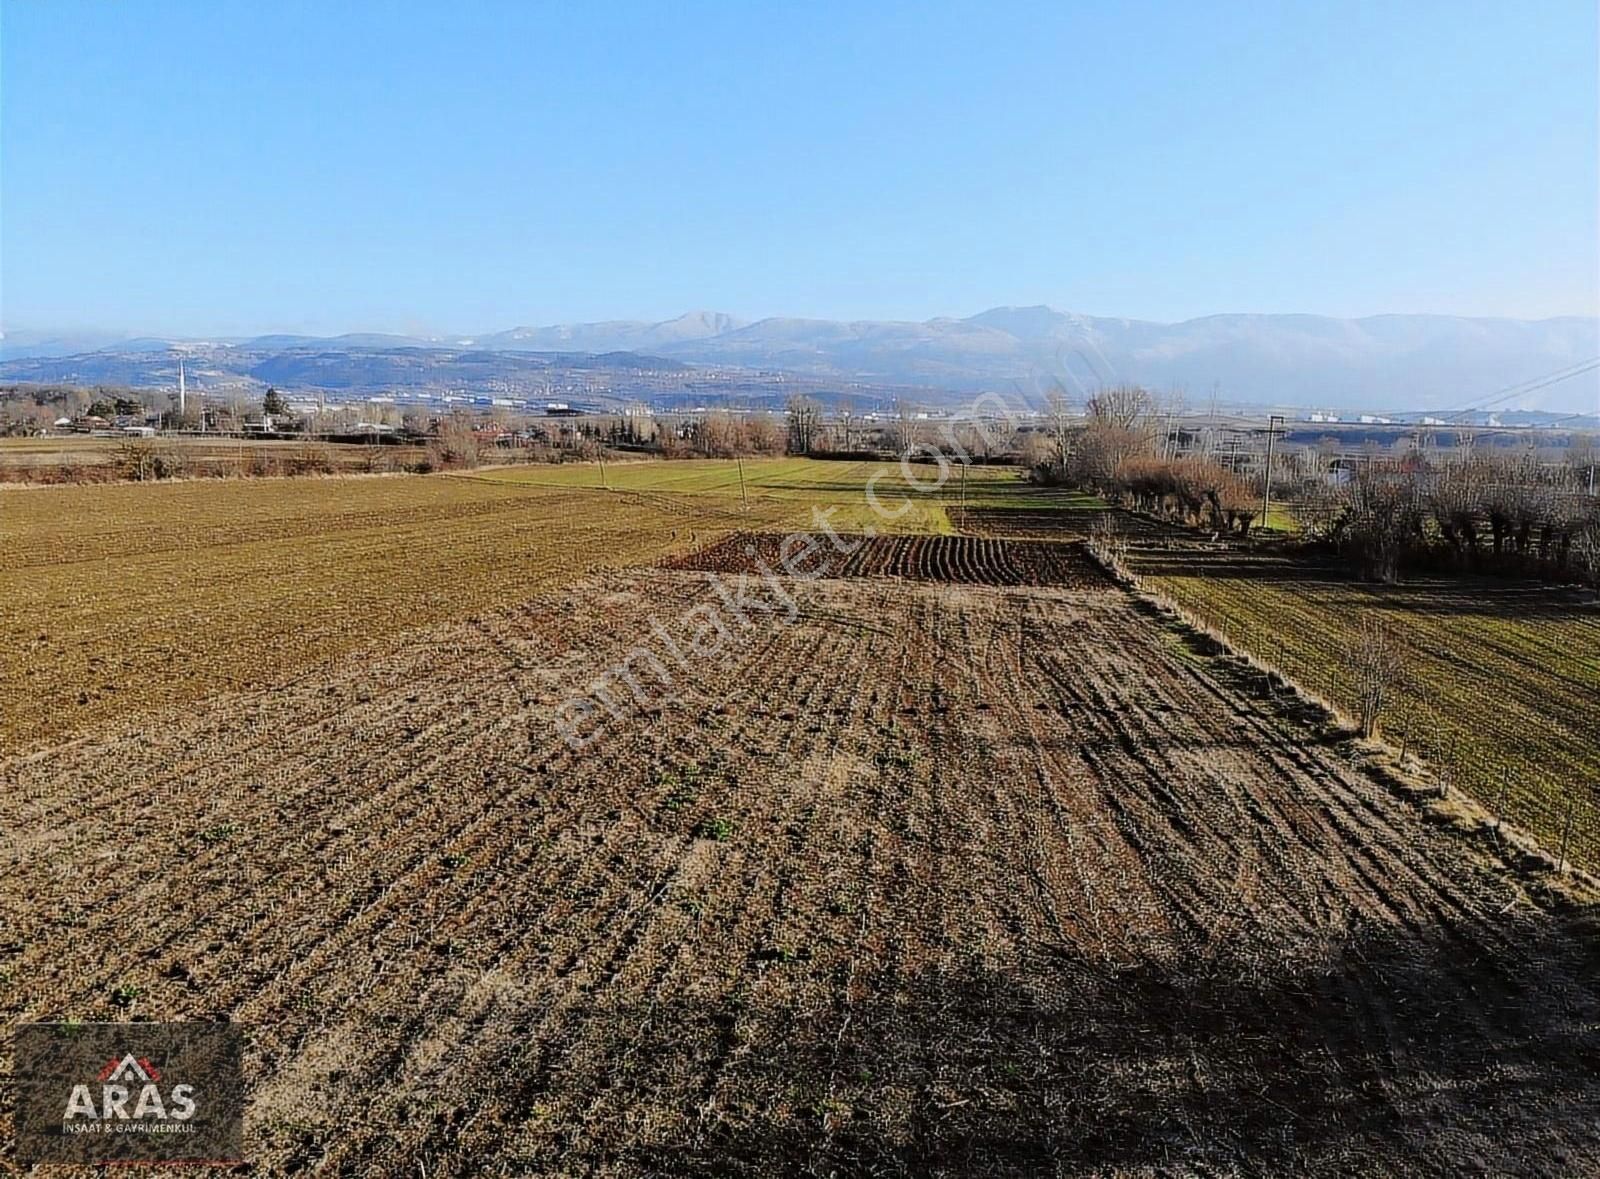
1466	509
723	435
1193	491
1473	511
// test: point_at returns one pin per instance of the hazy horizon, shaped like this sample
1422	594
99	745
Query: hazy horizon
445	335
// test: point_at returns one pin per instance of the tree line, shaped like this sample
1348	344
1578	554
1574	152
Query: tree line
1461	509
1470	512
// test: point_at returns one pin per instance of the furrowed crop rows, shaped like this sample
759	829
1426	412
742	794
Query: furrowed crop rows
957	560
931	879
971	863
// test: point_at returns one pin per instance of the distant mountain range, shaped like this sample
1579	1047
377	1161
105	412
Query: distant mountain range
1418	362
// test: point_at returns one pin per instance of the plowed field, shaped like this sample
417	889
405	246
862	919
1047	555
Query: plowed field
955	560
934	879
123	598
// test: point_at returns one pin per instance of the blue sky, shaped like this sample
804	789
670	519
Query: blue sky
209	168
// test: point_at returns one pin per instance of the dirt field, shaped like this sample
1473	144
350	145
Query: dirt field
1501	692
959	860
931	880
126	597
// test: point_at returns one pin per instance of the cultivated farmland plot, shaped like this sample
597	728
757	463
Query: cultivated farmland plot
956	860
955	560
910	505
81	458
1500	689
123	597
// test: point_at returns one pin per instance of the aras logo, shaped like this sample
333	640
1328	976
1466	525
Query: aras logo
130	1079
94	1093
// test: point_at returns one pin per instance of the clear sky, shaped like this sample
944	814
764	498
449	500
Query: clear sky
221	167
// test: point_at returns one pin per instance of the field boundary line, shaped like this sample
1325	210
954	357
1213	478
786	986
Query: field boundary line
1512	847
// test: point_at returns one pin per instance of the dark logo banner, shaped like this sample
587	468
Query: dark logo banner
129	1093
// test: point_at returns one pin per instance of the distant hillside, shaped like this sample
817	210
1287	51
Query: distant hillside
344	371
1418	362
1423	362
615	336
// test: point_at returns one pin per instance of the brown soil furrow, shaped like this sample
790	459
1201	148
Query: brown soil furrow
967	875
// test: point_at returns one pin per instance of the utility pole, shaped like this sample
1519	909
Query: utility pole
743	498
1266	496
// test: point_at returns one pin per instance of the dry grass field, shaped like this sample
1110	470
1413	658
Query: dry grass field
958	860
907	506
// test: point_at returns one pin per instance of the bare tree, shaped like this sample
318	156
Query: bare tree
455	445
1379	516
1585	550
1456	501
972	441
1035	451
1377	662
1583	458
1059	415
762	435
805	416
902	431
719	435
1125	407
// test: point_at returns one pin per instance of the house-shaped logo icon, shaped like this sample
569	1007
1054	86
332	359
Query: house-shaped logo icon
129	1068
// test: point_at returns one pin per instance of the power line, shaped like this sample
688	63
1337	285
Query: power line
1531	385
1507	392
